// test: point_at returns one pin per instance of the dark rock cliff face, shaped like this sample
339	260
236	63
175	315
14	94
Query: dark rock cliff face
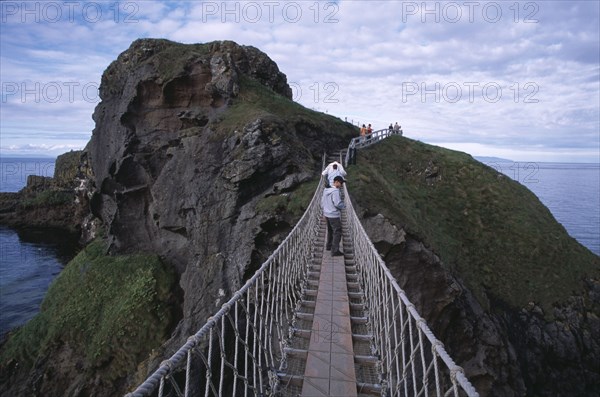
504	351
197	152
170	179
50	203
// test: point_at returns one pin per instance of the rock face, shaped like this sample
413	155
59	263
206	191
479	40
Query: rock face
505	352
176	175
46	202
196	154
190	143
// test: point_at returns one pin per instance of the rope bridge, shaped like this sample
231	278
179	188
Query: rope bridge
243	349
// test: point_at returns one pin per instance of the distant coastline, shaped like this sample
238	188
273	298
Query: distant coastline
491	159
15	170
488	159
27	156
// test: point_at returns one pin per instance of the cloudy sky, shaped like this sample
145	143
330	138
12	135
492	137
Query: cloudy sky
519	80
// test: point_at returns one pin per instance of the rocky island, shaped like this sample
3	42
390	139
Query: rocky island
200	164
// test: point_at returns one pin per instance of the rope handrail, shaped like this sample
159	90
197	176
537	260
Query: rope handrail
261	300
387	303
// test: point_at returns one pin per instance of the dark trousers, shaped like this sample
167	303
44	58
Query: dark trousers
334	234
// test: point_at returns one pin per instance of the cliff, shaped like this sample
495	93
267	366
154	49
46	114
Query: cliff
201	162
189	140
515	299
198	167
49	202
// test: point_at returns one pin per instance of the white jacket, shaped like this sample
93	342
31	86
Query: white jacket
330	168
332	174
329	172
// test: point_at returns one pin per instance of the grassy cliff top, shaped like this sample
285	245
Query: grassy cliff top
257	101
111	309
492	231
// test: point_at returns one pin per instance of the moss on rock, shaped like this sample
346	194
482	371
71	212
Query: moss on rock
292	203
489	229
67	168
113	309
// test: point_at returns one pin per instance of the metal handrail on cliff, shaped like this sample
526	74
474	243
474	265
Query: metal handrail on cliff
259	316
363	141
408	350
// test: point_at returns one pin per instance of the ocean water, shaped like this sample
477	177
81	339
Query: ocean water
30	261
14	172
571	191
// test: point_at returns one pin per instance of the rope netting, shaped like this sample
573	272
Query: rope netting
413	362
239	349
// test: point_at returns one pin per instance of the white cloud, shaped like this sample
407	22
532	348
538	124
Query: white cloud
35	150
359	67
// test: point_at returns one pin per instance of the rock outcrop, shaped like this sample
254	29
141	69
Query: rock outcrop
196	154
182	153
50	202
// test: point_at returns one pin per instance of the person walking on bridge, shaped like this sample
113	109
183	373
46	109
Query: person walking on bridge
332	204
331	171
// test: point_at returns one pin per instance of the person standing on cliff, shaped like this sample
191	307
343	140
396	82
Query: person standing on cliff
332	204
369	132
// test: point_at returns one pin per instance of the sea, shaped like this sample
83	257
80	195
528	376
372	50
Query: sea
571	191
29	262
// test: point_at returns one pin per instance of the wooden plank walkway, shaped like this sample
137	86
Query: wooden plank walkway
330	367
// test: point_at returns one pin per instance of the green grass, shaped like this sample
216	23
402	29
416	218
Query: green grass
113	309
172	59
492	231
257	101
290	203
49	198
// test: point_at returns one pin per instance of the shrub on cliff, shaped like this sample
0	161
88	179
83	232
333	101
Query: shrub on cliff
112	309
48	198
